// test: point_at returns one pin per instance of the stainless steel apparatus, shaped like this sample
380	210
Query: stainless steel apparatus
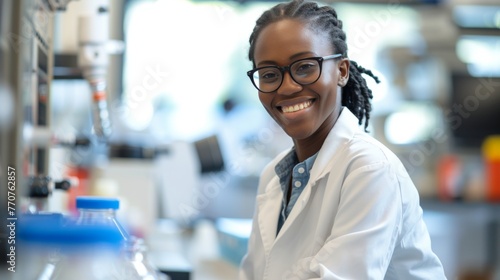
26	63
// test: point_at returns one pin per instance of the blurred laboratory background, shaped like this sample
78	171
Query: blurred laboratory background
148	102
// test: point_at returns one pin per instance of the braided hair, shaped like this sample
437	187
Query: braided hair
355	94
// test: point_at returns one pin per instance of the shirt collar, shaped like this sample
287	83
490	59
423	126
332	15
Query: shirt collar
285	166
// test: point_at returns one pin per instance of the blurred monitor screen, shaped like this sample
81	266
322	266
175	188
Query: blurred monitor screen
474	109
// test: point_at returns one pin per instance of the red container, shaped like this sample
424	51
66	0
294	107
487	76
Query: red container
448	171
82	189
492	168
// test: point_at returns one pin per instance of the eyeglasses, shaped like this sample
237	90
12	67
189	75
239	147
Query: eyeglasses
303	71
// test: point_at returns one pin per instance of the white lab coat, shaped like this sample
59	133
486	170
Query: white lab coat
358	218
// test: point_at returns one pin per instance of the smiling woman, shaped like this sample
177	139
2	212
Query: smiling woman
338	204
290	42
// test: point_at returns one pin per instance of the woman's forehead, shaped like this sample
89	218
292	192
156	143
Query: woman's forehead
285	38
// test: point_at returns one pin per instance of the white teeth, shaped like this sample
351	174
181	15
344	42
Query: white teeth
296	107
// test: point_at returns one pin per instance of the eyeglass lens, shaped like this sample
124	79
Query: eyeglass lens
304	72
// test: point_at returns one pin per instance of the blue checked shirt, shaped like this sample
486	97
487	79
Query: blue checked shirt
290	168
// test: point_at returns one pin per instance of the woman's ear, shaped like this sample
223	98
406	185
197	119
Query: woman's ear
343	77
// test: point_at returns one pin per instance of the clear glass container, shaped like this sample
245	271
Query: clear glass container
94	210
61	251
135	252
90	252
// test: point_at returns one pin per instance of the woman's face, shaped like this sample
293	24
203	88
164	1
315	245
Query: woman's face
318	104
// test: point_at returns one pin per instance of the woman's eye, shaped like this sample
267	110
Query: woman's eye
305	68
268	76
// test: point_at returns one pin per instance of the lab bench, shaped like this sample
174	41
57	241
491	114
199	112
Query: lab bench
190	253
464	234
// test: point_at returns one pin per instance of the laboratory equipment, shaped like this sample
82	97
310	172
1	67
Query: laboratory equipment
39	188
135	253
89	252
95	47
471	109
26	55
93	210
34	254
38	193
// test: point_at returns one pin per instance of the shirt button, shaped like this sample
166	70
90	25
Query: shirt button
297	184
301	170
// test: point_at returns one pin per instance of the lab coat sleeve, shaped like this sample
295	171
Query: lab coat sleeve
366	226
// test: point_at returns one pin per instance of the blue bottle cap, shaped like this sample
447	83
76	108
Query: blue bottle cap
96	202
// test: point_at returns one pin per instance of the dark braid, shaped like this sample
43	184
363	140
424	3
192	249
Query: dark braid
355	94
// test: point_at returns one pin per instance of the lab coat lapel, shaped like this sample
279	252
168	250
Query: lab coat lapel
297	208
341	133
269	205
301	203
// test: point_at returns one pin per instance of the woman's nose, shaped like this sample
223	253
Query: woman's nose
288	86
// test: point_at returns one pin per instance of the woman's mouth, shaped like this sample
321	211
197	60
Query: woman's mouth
296	107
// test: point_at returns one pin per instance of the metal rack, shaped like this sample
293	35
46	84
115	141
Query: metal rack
26	70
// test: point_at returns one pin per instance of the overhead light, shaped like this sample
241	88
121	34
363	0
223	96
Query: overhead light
481	54
423	118
472	16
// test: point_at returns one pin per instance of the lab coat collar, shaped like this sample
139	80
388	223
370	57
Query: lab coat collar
269	202
342	132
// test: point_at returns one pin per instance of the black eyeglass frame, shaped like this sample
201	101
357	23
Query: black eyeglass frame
284	69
